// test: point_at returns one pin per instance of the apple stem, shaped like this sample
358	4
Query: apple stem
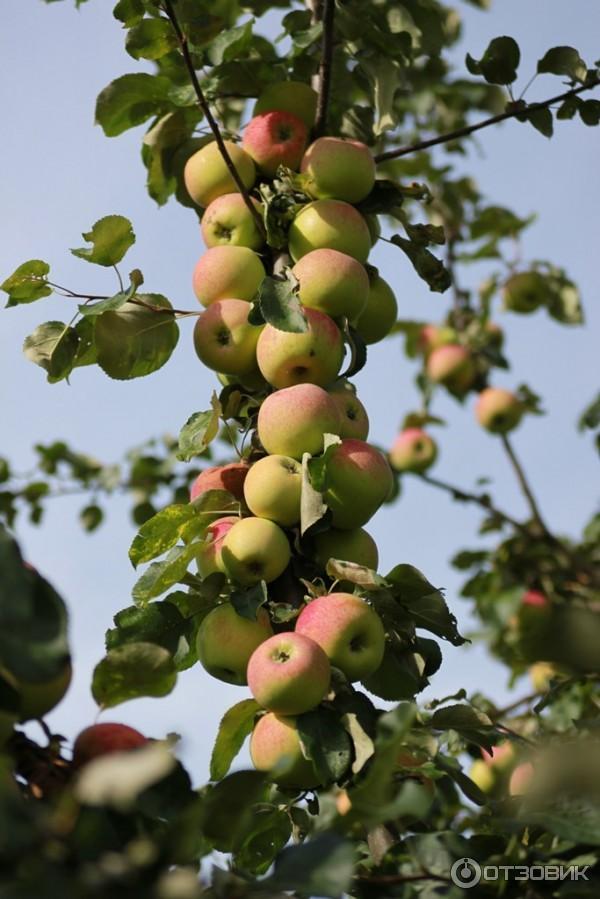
325	65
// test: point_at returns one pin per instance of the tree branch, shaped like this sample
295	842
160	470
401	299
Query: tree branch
402	878
525	488
325	67
493	120
214	127
480	499
135	301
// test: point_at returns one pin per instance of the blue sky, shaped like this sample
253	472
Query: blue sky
61	174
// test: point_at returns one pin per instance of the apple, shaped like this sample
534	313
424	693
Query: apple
348	630
348	546
292	421
524	292
275	744
358	481
374	227
520	779
273	488
104	739
433	336
37	698
254	550
413	450
494	334
289	96
289	674
451	365
226	641
332	282
229	477
501	758
482	776
207	177
498	410
339	169
227	272
353	415
228	222
275	138
315	356
379	315
534	598
540	675
208	558
329	224
224	339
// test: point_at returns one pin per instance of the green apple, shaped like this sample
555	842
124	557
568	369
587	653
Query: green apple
224	339
254	550
498	410
482	776
413	450
289	674
208	558
228	222
103	739
206	174
37	698
275	138
289	96
348	630
314	356
524	292
353	415
226	641
332	282
359	479
227	273
275	748
451	365
292	421
379	315
273	488
229	477
338	169
329	224
348	546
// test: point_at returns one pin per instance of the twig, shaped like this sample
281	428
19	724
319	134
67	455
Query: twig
203	104
402	878
480	499
493	120
524	700
72	295
525	488
325	67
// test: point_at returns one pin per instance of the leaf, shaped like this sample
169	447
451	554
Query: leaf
161	623
160	576
256	847
317	465
91	517
356	574
116	301
590	417
150	39
117	779
398	677
312	505
426	234
279	304
130	100
589	112
53	346
426	265
228	807
130	12
424	603
86	349
362	743
236	724
199	431
563	61
472	724
499	63
131	671
161	532
134	341
323	866
573	818
231	43
111	237
326	742
385	78
27	283
386	198
451	767
358	350
249	600
541	119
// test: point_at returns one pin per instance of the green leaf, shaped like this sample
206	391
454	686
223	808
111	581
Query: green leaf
452	768
385	78
150	39
111	237
279	304
236	724
131	671
249	600
116	301
130	100
53	346
135	341
312	505
160	623
590	417
358	350
355	574
317	465
573	818
231	43
398	677
563	61
228	807
424	603
162	531
161	576
472	724
426	265
426	234
499	63
256	847
541	119
386	198
326	742
85	329
323	866
130	12
91	517
589	112
199	431
27	283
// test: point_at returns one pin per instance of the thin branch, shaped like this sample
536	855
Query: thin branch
480	499
203	104
493	120
72	295
402	878
325	67
523	483
524	700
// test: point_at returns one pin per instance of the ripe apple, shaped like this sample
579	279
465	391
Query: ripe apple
452	366
227	221
208	559
498	410
289	96
227	272
353	415
413	450
332	282
104	739
292	421
359	480
433	336
207	177
520	779
229	477
348	630
273	488
37	698
224	339
482	776
254	550
226	641
275	744
338	169
535	598
289	674
329	224
314	356
348	546
275	138
501	758
379	315
524	292
541	674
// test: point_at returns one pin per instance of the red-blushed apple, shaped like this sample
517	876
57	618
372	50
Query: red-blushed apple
489	771
295	97
225	340
254	550
228	477
338	169
413	450
227	221
451	365
332	282
226	641
207	177
348	630
433	336
359	479
275	748
292	421
502	756
104	739
348	546
208	559
313	356
275	138
273	488
289	674
353	415
520	779
524	292
329	224
37	698
535	598
498	410
379	315
227	272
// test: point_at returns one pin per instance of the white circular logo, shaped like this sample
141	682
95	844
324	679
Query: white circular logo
465	873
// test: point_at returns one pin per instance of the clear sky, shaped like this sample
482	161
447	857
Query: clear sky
61	174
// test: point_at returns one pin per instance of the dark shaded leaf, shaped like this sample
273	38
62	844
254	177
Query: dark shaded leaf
563	61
